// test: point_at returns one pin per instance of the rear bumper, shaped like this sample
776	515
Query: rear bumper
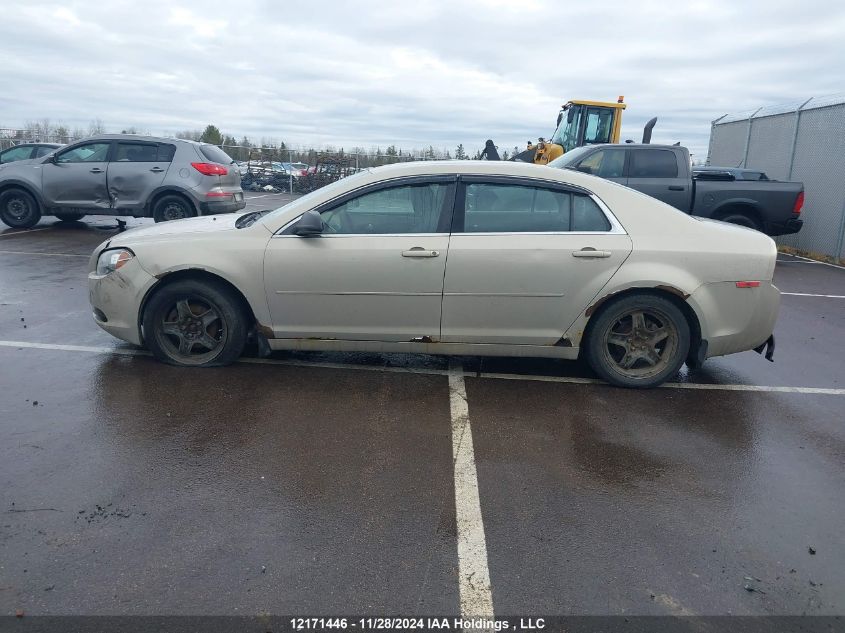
230	205
735	319
792	225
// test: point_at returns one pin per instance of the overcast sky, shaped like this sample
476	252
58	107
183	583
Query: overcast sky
411	73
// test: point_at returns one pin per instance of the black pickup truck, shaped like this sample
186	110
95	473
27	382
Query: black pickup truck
663	172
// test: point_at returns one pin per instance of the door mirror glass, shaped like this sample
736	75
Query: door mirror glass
309	224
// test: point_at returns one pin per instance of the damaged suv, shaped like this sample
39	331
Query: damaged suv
124	175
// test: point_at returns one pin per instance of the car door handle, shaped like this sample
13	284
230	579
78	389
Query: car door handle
676	188
419	251
590	252
96	170
156	170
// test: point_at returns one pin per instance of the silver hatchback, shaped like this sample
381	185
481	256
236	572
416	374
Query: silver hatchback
123	175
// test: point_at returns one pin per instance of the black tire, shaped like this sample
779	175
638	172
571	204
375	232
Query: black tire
195	324
172	207
69	216
19	209
742	219
627	351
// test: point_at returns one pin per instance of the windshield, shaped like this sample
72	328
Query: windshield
566	134
583	125
570	158
337	187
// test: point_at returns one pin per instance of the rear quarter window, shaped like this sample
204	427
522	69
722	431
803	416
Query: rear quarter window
215	154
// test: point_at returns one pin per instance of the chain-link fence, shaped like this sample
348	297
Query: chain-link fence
794	141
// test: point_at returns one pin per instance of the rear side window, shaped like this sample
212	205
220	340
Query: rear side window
43	151
653	163
165	153
495	208
215	154
135	153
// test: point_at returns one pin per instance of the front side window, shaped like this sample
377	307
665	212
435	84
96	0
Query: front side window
88	153
15	154
497	208
653	163
43	151
402	209
607	163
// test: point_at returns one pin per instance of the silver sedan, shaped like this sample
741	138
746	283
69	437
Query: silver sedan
456	257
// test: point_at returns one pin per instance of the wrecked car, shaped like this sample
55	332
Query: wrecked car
453	257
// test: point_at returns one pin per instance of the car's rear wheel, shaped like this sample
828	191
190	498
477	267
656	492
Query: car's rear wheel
742	220
69	217
172	207
19	209
638	341
196	324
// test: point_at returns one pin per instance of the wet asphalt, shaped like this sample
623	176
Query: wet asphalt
130	487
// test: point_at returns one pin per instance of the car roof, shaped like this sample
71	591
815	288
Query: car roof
34	144
139	137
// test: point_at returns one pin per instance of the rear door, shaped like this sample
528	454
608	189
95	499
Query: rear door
76	179
659	173
135	171
524	260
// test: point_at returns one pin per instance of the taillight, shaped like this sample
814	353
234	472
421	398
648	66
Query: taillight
748	284
799	202
210	169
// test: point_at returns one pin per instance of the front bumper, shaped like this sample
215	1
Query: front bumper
116	300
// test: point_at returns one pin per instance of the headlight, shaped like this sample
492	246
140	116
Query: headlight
109	261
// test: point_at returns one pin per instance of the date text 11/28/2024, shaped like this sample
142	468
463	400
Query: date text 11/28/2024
419	624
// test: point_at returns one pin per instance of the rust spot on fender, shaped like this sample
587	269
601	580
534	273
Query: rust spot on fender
678	293
265	331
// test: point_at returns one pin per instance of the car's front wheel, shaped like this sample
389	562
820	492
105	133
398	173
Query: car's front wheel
638	341
19	209
172	207
195	323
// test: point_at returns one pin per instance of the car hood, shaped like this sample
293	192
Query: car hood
204	224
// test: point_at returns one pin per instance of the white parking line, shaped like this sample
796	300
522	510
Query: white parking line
24	232
815	261
807	294
571	380
473	574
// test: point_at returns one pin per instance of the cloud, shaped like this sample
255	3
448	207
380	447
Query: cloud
433	72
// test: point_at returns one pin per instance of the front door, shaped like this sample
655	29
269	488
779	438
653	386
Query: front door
375	273
77	178
525	260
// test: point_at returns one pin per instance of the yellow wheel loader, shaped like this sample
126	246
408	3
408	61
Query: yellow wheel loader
580	123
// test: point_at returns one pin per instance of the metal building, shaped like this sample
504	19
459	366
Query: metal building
804	141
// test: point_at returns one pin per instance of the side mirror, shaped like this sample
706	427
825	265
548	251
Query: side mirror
570	114
309	224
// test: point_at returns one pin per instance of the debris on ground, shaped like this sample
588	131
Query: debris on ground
812	550
751	589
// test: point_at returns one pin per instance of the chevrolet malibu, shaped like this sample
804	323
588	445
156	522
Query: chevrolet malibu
457	257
